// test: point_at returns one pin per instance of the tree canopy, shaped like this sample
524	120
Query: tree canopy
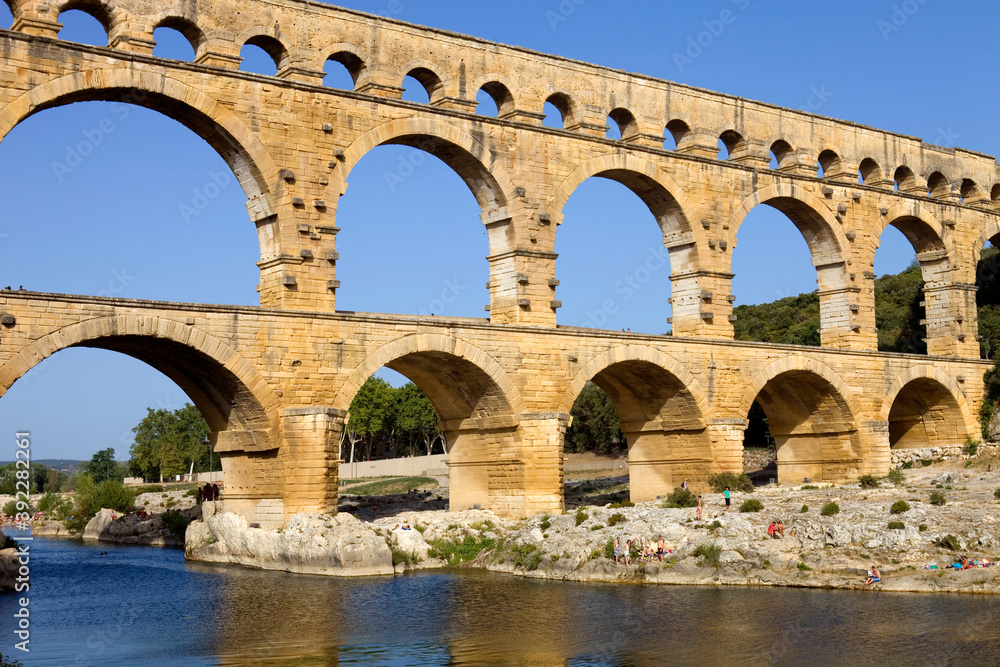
390	422
167	443
596	426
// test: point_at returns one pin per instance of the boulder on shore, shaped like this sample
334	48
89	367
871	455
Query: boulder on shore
9	565
311	544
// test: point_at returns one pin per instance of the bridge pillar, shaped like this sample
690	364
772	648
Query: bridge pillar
311	458
35	19
543	436
726	436
950	311
876	456
485	467
660	458
523	287
701	305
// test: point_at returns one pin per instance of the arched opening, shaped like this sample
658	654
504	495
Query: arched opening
782	155
178	39
342	70
731	144
399	255
995	195
906	180
899	286
263	55
104	384
971	193
494	100
782	306
558	110
677	132
869	173
760	461
6	16
476	418
661	422
925	414
85	23
621	124
175	203
988	298
938	186
422	86
828	164
594	442
627	284
814	431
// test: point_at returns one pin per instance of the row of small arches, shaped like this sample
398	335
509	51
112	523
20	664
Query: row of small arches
182	39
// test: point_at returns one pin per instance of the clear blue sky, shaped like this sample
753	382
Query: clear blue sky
112	224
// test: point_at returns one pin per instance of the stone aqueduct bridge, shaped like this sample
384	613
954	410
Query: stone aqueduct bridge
275	382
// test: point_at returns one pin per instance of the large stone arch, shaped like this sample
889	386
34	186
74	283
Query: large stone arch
813	417
240	406
480	168
228	135
662	408
478	406
925	407
662	194
808	213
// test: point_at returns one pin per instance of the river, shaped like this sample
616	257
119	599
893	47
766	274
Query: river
124	606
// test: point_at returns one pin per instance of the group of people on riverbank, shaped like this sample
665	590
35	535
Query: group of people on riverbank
208	492
653	551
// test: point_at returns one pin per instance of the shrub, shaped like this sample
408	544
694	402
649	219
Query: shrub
925	462
708	555
830	509
92	498
805	508
176	522
751	505
907	465
896	525
597	526
810	487
803	567
456	552
621	504
922	527
609	549
868	482
895	476
581	516
899	507
735	482
402	556
996	494
10	508
616	519
971	446
545	524
938	498
949	542
681	497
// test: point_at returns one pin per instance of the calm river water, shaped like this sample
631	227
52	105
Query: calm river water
124	606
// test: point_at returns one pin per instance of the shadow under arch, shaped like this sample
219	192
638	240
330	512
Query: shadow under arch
478	405
237	402
662	409
213	122
812	416
925	407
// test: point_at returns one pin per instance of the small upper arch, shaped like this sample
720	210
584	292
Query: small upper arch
869	172
906	180
734	144
272	46
782	154
971	193
95	8
565	105
995	195
188	28
679	131
423	72
626	122
938	186
828	163
350	59
500	92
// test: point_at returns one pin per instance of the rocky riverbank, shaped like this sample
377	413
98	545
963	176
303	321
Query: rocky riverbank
820	549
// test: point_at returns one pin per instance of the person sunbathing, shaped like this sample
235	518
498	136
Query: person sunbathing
874	576
779	530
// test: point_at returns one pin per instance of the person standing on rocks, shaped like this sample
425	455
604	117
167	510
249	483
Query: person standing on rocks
618	551
699	508
725	494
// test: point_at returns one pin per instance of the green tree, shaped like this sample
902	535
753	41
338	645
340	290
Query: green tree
102	466
167	443
898	311
416	419
793	320
371	417
596	426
